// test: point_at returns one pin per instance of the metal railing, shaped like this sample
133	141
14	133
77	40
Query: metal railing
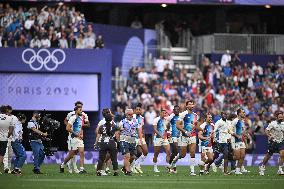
243	43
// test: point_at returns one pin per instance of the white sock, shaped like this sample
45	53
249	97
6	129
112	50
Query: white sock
238	169
155	164
139	160
74	162
62	165
243	167
175	159
81	168
280	168
192	163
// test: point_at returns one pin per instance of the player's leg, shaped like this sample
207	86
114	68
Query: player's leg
237	157
281	160
192	148
167	148
155	158
225	152
102	157
69	156
242	159
174	148
8	157
183	143
113	155
3	146
202	162
209	160
141	159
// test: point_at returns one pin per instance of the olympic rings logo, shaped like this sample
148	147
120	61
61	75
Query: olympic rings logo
43	58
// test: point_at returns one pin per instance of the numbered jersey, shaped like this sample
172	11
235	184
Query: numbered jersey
276	131
189	122
105	135
208	131
5	123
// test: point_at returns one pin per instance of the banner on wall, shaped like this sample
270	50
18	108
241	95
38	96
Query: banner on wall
49	91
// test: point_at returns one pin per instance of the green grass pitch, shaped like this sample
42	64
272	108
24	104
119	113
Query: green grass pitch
53	179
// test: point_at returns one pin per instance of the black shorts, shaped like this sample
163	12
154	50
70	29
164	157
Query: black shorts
275	147
223	148
3	146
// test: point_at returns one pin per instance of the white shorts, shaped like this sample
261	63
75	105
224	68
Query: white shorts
239	145
184	141
205	150
174	140
76	143
139	143
160	142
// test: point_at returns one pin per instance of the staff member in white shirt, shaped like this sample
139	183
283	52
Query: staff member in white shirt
17	145
6	130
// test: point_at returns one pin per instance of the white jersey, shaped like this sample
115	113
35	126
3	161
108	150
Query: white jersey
18	131
222	130
5	123
276	131
70	114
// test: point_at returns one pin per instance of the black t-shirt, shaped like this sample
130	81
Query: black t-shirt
107	133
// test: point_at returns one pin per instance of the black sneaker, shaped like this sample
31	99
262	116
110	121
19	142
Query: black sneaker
37	171
6	170
128	173
99	173
115	174
61	169
82	171
15	171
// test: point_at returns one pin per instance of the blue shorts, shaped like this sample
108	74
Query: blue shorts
126	147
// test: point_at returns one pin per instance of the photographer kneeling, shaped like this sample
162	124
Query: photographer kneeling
36	142
107	143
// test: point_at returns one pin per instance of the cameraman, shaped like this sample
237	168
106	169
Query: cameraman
17	145
36	142
6	130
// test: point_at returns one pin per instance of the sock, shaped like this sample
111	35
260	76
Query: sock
280	168
238	169
139	160
74	163
243	168
192	163
81	168
62	165
175	159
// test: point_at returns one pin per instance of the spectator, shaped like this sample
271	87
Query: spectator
63	42
45	42
226	58
80	42
54	43
89	42
23	41
29	22
71	41
99	42
35	42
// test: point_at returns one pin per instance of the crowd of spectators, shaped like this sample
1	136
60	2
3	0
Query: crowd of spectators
59	26
215	87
